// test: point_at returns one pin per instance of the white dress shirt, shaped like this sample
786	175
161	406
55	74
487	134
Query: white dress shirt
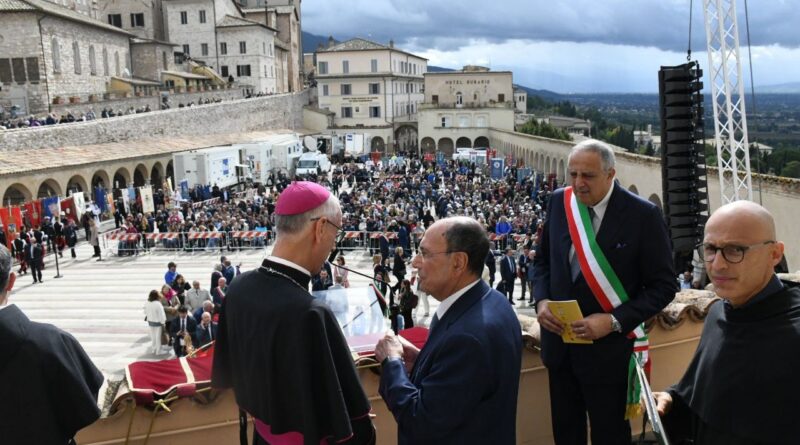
449	301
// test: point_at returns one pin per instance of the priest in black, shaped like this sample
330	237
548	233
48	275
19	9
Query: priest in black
741	386
281	350
48	385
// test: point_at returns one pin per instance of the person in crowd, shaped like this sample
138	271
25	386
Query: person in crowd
522	272
530	275
195	297
207	306
320	402
743	362
631	240
172	272
50	384
94	238
464	381
71	236
340	272
180	286
218	293
181	327
170	303
155	317
34	257
408	302
398	266
206	330
18	247
323	281
508	273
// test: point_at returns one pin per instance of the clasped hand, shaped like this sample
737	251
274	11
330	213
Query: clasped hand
392	345
593	327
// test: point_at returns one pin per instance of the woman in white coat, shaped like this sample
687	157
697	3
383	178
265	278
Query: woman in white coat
155	317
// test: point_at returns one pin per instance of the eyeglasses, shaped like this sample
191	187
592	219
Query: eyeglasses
732	253
427	255
339	232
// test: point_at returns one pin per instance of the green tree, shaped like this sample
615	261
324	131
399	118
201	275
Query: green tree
533	127
791	170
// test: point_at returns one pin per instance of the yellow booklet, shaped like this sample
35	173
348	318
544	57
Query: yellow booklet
568	312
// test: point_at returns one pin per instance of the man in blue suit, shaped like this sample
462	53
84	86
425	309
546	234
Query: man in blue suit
508	272
462	387
632	235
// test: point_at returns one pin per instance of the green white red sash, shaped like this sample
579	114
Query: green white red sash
606	287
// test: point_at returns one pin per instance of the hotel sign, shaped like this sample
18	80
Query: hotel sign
468	82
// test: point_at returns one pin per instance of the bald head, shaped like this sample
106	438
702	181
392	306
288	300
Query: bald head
747	217
741	250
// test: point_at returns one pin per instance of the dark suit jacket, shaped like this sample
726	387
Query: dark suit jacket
191	327
201	334
34	258
463	388
634	238
505	269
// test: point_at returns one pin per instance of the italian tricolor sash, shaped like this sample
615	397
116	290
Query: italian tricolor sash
606	287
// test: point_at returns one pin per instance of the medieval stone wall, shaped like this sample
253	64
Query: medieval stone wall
233	116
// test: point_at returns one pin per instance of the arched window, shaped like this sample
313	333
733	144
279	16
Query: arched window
56	55
105	62
76	56
116	63
92	61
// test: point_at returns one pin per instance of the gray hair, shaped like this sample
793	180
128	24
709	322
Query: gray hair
6	264
294	224
465	234
606	153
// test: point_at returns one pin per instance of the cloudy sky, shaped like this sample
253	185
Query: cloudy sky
565	45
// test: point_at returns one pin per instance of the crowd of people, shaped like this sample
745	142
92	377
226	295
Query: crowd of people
182	317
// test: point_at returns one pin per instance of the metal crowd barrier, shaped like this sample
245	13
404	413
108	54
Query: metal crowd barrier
118	242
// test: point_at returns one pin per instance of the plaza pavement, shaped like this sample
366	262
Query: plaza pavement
100	303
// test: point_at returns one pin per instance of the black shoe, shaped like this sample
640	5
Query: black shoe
512	303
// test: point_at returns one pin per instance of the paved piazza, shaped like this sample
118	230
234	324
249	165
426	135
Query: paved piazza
100	303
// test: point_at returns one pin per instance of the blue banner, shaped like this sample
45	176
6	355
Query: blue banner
440	158
184	185
498	165
100	199
132	193
50	206
523	174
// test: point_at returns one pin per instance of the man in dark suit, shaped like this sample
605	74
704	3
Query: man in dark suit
631	234
491	264
508	273
181	326
34	257
206	331
383	242
524	263
463	384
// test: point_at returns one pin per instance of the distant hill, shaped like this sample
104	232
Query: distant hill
544	94
312	41
784	88
438	69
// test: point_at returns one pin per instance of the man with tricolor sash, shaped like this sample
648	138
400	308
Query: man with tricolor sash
609	250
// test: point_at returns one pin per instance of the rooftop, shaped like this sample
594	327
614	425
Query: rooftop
230	21
359	44
58	11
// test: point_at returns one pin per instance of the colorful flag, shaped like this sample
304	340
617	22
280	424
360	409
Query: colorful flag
51	207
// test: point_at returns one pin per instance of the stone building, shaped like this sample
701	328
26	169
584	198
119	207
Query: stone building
373	89
143	19
50	54
461	106
520	100
283	15
215	33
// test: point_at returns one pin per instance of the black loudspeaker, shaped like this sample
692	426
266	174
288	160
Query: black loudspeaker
683	168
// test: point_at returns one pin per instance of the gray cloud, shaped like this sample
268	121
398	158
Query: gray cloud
448	25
